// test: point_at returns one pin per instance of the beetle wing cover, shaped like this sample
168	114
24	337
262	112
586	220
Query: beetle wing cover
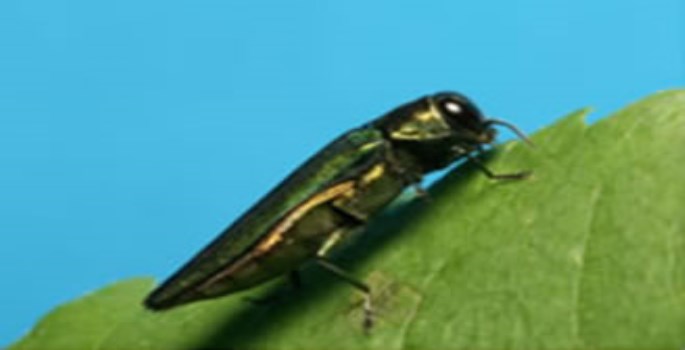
330	165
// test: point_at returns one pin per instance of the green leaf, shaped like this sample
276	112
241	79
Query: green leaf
589	253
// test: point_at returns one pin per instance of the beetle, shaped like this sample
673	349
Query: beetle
335	192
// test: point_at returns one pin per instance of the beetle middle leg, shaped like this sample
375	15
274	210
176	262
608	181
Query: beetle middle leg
411	178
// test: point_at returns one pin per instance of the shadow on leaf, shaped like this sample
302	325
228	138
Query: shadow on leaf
259	320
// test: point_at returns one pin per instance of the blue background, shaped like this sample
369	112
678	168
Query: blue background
132	132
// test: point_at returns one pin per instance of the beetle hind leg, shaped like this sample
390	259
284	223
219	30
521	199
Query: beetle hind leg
360	286
294	284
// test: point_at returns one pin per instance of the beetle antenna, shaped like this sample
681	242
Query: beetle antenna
511	127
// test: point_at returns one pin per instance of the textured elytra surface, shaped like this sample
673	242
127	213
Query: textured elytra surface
588	253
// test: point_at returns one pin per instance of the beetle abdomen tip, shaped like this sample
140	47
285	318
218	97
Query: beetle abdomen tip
154	305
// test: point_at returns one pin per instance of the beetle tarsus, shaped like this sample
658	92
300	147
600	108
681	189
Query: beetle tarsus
368	314
421	192
331	267
491	175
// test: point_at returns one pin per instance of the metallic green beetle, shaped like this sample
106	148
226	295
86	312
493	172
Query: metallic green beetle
335	192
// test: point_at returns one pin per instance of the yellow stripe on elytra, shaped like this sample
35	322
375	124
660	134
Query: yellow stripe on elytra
277	234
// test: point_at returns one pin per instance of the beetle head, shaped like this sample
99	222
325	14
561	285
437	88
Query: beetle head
440	128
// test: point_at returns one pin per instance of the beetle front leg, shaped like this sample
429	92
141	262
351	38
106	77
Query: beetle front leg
420	191
460	151
509	176
489	173
413	179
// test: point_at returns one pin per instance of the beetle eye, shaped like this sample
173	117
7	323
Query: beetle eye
452	107
456	110
461	114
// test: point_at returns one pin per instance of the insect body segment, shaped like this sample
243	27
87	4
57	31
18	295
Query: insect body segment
336	191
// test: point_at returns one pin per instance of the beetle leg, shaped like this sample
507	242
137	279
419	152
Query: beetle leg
294	282
410	177
360	286
295	279
421	192
509	176
330	242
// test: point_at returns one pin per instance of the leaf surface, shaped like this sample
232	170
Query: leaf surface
588	253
